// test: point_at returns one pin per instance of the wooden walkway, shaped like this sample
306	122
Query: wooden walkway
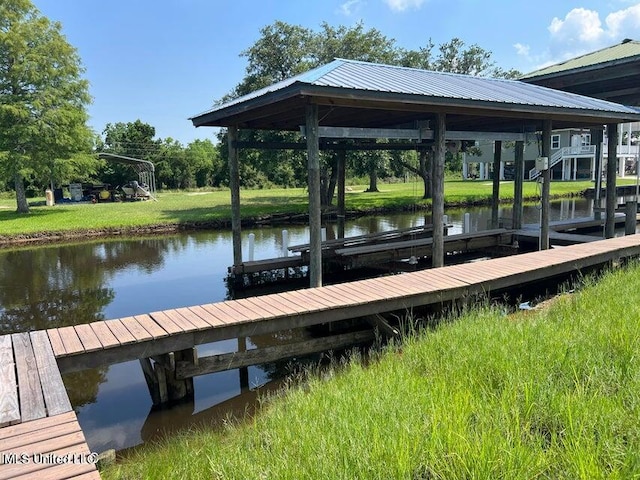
112	341
39	436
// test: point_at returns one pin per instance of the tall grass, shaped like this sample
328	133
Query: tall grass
544	394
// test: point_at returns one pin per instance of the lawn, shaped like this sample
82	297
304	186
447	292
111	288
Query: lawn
209	207
549	393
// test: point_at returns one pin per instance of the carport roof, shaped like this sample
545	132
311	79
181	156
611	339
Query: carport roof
360	94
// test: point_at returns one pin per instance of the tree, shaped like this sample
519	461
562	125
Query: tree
43	109
131	139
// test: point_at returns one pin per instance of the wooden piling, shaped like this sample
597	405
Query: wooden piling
234	185
315	209
517	186
611	201
495	197
438	190
546	186
631	212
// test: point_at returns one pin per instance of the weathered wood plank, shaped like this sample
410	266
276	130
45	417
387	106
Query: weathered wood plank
72	343
213	320
229	361
226	315
88	337
29	389
302	298
54	392
254	313
72	445
150	326
56	342
40	435
135	329
261	304
119	331
193	318
9	406
181	321
41	424
107	339
162	319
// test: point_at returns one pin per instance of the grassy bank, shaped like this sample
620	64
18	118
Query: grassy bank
211	208
553	393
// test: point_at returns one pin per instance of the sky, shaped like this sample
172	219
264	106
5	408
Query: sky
163	61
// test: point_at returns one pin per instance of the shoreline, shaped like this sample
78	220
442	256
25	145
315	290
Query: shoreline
285	218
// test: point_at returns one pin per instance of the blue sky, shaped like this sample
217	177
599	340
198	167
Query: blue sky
163	61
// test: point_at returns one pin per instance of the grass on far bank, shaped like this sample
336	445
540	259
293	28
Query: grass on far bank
212	206
553	393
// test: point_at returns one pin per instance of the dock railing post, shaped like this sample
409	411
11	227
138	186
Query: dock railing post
631	212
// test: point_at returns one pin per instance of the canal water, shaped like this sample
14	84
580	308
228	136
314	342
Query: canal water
59	285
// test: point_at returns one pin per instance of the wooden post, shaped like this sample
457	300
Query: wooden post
161	379
234	185
631	212
596	139
341	191
517	186
495	199
546	186
437	205
612	156
315	209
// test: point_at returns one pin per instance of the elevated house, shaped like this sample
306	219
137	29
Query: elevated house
608	74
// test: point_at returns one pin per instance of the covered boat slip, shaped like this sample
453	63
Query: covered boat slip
419	109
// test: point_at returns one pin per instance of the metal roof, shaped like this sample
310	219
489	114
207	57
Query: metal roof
358	85
621	52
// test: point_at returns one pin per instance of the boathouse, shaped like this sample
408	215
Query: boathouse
421	110
609	74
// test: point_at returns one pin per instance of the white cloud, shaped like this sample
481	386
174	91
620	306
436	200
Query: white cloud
522	49
582	31
624	23
349	7
402	5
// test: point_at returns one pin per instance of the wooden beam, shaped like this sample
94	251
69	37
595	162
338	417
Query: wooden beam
379	322
315	208
419	134
495	197
596	139
546	186
258	356
438	191
234	185
518	185
9	404
341	161
612	164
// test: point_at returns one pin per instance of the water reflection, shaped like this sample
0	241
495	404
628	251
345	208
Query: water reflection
62	285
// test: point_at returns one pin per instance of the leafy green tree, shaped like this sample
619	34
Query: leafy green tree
43	97
208	167
131	139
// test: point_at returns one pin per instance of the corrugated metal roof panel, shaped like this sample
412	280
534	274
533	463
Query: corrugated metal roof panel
363	76
629	48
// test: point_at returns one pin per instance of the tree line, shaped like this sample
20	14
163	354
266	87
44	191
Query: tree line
45	140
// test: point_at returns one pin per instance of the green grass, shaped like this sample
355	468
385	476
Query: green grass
551	394
204	207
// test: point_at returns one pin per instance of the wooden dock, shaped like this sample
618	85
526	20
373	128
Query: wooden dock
143	336
39	433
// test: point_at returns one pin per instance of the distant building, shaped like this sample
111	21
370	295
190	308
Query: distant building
609	74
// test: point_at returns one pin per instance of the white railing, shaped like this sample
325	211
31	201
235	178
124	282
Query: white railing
565	152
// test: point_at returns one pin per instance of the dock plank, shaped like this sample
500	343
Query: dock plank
213	320
29	389
9	404
53	390
70	339
121	332
150	326
104	334
225	315
88	337
181	321
252	314
193	318
56	342
163	320
135	329
261	304
296	307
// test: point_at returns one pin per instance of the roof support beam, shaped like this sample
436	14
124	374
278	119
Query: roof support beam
315	209
611	202
418	134
437	207
546	186
234	186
